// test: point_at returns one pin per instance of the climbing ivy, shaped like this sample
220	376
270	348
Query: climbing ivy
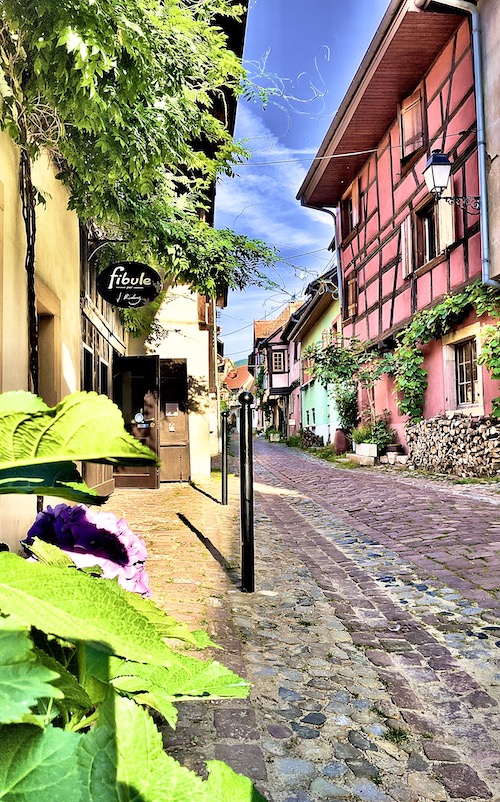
410	376
349	361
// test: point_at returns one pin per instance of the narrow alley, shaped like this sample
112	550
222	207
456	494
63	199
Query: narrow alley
372	641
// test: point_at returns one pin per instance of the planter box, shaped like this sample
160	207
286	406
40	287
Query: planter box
274	438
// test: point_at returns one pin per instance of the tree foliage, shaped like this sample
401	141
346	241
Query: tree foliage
129	98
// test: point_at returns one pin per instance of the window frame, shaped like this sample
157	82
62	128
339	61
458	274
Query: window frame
88	354
466	359
274	356
450	343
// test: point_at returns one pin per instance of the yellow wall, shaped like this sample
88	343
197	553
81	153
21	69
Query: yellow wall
179	316
58	289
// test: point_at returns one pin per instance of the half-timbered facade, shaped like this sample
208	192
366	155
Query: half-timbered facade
402	250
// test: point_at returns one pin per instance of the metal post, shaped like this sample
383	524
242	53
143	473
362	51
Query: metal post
224	446
246	493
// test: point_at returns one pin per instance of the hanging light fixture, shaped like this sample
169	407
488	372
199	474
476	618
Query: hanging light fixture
437	173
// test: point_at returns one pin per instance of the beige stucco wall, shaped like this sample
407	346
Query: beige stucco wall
58	287
490	18
184	340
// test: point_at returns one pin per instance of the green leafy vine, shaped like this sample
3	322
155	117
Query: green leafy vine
410	376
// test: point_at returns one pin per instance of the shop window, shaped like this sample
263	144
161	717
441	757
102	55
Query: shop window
411	120
466	374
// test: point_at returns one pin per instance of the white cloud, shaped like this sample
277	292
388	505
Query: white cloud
260	201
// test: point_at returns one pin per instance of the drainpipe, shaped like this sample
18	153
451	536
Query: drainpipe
470	8
333	214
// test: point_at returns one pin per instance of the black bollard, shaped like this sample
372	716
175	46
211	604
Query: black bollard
246	493
224	446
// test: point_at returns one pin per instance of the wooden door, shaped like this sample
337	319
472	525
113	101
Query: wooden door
174	421
136	392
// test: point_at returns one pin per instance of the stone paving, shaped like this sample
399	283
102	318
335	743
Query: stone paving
372	641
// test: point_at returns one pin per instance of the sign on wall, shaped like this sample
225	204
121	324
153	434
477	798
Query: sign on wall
129	284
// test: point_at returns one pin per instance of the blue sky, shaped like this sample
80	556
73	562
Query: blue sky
305	54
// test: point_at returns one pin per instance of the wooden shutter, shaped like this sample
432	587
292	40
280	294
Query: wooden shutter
412	126
406	247
352	296
446	219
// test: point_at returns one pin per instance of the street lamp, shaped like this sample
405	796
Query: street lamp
437	175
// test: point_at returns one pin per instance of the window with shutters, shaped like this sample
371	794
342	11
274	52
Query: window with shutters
427	233
426	230
349	211
411	119
351	297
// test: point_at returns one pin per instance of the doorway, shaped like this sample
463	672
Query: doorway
135	391
152	394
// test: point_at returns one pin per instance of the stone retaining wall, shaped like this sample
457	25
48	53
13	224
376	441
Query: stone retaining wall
456	444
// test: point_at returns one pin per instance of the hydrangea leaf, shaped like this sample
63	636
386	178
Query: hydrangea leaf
167	626
78	607
189	678
52	555
83	426
123	759
59	479
224	785
73	696
23	680
38	765
159	701
49	554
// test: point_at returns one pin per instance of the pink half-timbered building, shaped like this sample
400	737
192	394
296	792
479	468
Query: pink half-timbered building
401	249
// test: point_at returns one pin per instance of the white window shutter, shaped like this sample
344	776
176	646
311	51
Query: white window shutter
406	247
355	203
446	219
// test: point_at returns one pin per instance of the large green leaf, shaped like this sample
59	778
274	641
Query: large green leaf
123	760
78	607
189	678
23	680
83	426
56	479
38	766
160	687
73	696
167	626
224	785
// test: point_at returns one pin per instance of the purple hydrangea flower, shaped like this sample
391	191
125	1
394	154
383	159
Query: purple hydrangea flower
95	538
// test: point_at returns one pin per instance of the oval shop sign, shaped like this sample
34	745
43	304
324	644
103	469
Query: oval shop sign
129	284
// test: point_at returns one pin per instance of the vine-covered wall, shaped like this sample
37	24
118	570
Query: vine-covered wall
455	444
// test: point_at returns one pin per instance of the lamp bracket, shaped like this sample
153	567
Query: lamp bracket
470	203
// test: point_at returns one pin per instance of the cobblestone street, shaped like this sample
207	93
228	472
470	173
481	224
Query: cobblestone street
372	641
